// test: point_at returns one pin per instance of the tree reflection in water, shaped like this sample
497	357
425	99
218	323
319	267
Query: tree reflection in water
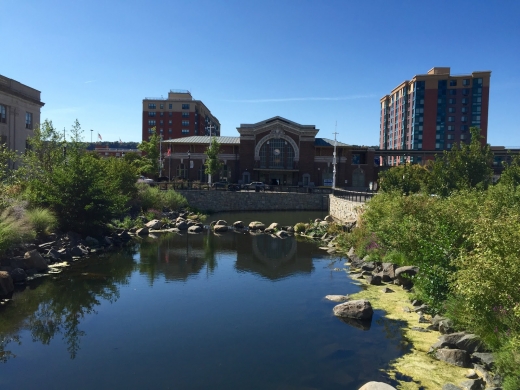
58	306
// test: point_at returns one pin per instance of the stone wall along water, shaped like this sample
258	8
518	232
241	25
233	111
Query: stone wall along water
344	210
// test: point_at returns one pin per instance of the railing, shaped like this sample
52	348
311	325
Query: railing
354	196
197	186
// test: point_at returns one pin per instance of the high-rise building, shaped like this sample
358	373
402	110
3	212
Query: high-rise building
19	113
433	111
178	116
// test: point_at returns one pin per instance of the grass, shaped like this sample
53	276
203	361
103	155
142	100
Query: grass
417	364
13	229
42	220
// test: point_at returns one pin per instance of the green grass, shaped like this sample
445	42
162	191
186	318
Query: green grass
13	229
42	220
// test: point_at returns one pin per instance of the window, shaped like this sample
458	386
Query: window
453	92
170	122
185	114
464	110
450	136
28	120
448	146
453	101
151	122
453	83
185	123
451	109
437	145
162	113
465	91
464	127
169	130
451	128
151	113
463	118
478	81
464	100
170	114
161	106
161	122
185	106
466	82
151	106
170	106
451	119
463	136
476	117
150	130
161	131
185	131
2	114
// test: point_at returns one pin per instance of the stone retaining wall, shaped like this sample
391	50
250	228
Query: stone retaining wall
344	210
255	201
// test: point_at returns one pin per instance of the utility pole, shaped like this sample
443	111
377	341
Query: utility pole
334	158
210	127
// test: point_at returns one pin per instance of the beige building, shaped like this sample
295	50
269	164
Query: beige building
19	113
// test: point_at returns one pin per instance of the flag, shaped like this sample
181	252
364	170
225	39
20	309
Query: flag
169	152
120	141
99	136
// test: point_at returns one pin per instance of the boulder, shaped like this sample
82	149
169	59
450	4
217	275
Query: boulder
317	220
195	229
337	298
272	228
33	259
485	358
329	218
384	277
238	225
91	241
369	266
180	219
376	386
448	340
450	386
154	224
374	280
53	254
324	224
78	251
457	357
182	225
470	343
64	254
472	384
389	270
221	222
404	274
282	234
484	374
387	290
6	283
446	326
143	231
256	225
359	309
18	275
220	228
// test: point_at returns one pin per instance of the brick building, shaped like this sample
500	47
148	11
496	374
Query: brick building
433	111
275	151
19	113
178	116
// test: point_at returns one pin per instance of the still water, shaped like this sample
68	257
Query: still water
234	311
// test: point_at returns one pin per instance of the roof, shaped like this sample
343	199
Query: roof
327	142
204	139
275	119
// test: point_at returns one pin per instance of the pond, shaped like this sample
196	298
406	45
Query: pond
235	311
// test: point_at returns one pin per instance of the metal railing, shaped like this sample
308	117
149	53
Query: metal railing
197	186
354	196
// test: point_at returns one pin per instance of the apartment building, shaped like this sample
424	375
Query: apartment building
19	113
178	116
433	111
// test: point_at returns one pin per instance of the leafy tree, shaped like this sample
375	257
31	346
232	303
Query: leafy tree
212	163
149	164
511	174
404	178
465	166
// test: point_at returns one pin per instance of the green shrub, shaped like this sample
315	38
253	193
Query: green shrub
299	227
153	198
14	229
42	220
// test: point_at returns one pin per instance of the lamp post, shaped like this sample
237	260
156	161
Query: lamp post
91	131
210	127
334	161
160	155
189	165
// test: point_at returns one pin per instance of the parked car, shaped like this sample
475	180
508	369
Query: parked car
142	179
254	185
219	184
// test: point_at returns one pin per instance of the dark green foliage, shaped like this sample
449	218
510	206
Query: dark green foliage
406	179
212	163
148	164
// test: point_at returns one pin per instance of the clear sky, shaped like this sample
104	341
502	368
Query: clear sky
312	62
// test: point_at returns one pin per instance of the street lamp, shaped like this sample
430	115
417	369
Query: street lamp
91	131
189	164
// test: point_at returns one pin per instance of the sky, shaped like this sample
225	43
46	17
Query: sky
324	63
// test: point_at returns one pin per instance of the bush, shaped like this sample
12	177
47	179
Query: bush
42	220
153	198
299	227
14	229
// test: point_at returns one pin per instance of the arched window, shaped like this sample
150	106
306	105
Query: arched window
276	154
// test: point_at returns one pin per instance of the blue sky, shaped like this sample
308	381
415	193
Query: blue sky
313	62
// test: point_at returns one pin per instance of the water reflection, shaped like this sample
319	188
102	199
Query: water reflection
56	307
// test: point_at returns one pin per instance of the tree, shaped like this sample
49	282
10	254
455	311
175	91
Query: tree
149	164
465	166
511	174
213	164
406	179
